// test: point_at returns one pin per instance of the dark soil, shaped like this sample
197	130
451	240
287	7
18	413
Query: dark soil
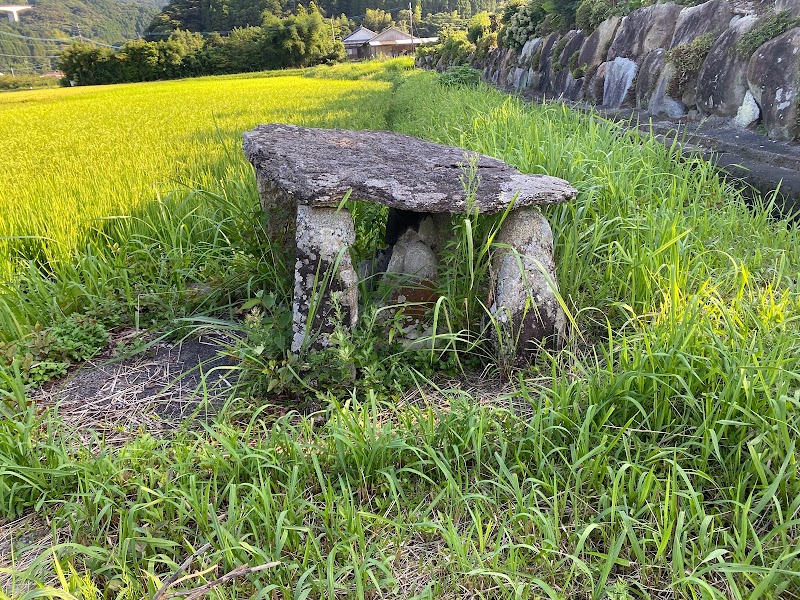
152	391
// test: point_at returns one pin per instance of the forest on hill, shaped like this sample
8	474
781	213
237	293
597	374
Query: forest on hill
225	15
31	45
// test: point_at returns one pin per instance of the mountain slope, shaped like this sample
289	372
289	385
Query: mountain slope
107	21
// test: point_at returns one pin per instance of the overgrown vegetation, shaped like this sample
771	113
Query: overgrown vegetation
26	82
767	28
590	13
536	60
46	353
557	51
655	455
688	58
454	49
299	40
522	25
462	75
481	25
575	70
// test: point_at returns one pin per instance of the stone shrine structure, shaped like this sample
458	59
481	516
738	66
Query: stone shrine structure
304	174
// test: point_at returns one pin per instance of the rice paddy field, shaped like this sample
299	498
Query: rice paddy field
655	456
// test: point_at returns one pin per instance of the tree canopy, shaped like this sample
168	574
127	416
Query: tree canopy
224	15
297	40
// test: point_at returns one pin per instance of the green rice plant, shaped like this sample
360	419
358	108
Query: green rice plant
655	456
119	214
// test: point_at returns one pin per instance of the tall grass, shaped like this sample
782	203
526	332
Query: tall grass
102	195
655	456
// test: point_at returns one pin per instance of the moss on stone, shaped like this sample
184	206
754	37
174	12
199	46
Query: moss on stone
766	29
688	58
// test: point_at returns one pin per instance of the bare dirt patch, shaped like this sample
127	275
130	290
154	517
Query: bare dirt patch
151	392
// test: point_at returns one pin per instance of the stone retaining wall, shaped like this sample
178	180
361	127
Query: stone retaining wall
624	64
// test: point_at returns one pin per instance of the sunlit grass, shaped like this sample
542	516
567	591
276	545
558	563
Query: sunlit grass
76	156
654	457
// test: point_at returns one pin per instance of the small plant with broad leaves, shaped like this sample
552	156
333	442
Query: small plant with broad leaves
48	352
460	76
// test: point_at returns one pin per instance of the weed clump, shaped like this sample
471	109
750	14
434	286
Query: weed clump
555	55
455	49
572	64
590	13
46	353
688	58
536	60
460	76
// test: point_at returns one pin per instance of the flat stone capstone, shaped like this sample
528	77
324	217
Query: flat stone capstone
319	166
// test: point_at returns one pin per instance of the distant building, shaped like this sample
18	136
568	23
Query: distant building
363	43
357	43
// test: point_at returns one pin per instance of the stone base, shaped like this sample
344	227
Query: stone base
325	283
525	288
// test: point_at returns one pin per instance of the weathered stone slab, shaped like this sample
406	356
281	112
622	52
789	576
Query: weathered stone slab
748	112
574	45
694	21
651	86
325	283
620	74
722	81
317	167
310	171
544	84
772	76
595	48
645	30
595	84
564	82
525	302
793	6
528	50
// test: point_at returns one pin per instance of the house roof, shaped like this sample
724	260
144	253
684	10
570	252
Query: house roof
404	42
390	34
359	36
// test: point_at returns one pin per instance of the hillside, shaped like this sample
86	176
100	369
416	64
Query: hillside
108	21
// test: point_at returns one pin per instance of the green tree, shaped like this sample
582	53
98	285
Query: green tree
479	26
403	20
438	23
377	19
140	61
89	65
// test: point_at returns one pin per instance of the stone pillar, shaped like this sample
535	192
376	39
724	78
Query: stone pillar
281	211
525	287
324	279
